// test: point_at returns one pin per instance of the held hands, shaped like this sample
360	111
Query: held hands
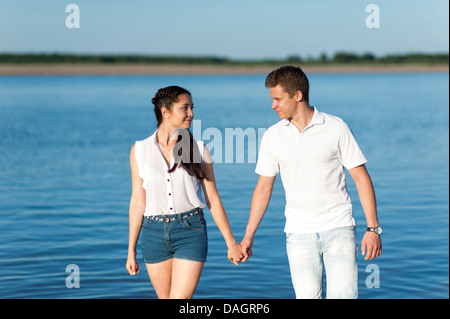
240	252
235	253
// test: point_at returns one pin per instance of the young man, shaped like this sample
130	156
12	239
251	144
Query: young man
310	150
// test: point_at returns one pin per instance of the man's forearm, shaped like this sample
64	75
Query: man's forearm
257	212
366	194
260	201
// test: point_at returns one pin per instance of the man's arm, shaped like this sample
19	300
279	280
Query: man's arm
260	201
371	241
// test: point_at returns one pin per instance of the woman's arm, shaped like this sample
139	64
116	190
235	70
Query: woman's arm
136	213
214	204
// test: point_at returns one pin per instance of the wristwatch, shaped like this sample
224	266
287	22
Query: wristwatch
377	230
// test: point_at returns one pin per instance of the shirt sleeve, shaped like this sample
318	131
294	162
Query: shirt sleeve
348	149
267	164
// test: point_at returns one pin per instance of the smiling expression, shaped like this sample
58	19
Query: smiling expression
181	114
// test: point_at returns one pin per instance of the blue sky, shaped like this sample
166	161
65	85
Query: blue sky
243	29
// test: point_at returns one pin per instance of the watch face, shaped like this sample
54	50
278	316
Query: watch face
378	230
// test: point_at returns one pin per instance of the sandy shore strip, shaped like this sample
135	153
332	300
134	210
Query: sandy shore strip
159	69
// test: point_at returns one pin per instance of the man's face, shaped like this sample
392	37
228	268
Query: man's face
283	104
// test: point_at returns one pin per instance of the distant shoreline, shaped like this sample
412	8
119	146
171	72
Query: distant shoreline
184	69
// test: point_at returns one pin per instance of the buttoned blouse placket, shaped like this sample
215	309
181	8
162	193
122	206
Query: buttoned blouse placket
169	190
168	177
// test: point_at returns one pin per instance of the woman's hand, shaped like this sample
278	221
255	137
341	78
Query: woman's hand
235	253
132	266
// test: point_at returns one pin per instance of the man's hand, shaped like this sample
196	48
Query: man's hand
371	245
246	245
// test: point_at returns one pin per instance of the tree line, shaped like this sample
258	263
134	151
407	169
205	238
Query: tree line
337	58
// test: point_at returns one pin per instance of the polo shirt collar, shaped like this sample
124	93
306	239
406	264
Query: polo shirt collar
317	119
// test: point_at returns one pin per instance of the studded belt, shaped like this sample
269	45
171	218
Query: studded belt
173	217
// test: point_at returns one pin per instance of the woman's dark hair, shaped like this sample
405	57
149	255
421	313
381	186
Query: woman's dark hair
185	152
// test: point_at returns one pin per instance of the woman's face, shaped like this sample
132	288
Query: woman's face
181	114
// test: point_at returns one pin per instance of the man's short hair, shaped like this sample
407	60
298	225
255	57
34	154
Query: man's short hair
291	79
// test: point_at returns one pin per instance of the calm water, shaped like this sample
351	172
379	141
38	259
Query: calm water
65	181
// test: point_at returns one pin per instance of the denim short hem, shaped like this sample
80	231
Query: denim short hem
202	260
157	261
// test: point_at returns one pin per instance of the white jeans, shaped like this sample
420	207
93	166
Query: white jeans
336	249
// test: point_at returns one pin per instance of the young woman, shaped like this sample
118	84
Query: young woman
167	169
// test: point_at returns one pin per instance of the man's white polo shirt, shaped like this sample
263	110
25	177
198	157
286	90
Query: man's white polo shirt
311	164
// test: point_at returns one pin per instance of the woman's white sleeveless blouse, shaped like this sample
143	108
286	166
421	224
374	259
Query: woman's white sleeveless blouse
166	193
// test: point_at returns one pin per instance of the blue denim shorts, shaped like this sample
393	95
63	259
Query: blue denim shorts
181	236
